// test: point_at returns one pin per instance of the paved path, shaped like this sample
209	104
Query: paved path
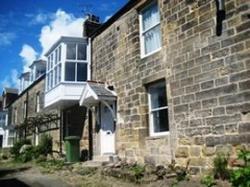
31	178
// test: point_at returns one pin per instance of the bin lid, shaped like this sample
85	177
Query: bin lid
72	138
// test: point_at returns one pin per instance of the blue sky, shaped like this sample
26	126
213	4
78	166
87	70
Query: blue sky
29	27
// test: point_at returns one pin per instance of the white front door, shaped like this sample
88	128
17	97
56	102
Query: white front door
107	131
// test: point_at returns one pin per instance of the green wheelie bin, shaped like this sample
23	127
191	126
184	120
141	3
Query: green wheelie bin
72	147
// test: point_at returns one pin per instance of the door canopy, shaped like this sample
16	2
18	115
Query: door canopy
96	92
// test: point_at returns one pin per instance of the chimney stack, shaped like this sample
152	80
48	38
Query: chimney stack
90	25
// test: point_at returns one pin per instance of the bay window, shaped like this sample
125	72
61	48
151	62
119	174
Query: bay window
67	62
158	109
150	32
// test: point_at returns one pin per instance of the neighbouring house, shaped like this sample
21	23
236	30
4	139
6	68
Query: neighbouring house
29	117
7	130
170	81
3	120
48	99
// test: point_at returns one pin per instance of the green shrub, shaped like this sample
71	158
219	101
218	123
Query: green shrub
45	145
137	171
241	177
41	158
208	181
51	165
221	167
27	155
17	146
245	156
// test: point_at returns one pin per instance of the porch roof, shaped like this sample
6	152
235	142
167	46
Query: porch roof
95	92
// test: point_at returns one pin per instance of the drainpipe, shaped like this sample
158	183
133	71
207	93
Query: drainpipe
26	113
90	120
220	15
61	130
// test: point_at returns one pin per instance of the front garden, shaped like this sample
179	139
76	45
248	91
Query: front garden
122	173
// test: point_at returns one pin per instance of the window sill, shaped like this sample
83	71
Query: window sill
150	54
66	83
155	137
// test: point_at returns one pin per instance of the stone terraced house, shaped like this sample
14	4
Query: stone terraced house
171	80
161	80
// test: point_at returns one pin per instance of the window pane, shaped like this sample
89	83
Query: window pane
150	17
55	73
160	120
56	57
59	73
51	60
51	79
81	72
152	39
71	51
59	55
81	52
48	64
158	95
70	71
48	81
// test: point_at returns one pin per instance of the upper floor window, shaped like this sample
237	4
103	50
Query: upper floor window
158	109
76	72
150	30
76	51
54	69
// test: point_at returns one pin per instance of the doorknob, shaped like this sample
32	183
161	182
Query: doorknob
108	132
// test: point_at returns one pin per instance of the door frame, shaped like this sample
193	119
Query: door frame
112	111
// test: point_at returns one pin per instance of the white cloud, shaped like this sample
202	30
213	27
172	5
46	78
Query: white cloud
14	78
28	55
62	24
40	18
7	38
6	82
11	80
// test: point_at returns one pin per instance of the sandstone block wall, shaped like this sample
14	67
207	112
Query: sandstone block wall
207	79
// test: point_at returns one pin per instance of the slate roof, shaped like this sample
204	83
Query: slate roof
11	90
100	89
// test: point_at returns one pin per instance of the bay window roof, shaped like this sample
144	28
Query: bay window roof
65	39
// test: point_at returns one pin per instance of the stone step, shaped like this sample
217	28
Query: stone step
103	158
95	164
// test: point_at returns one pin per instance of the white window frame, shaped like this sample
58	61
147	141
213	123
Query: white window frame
52	80
76	52
142	32
151	119
15	115
24	109
76	66
76	61
38	102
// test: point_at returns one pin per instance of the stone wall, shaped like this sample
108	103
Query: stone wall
207	79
